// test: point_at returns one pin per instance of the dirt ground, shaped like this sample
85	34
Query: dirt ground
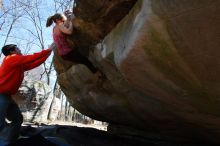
96	126
77	134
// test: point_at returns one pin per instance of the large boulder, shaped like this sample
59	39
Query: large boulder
161	63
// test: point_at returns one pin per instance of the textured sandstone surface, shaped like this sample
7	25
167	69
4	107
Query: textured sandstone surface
162	67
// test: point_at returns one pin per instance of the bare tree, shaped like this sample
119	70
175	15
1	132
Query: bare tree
61	5
1	4
34	17
9	16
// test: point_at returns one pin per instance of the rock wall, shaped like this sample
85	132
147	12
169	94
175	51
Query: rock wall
161	62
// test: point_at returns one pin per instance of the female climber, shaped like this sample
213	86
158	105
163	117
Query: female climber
62	28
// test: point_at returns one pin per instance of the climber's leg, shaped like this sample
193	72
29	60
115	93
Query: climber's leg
75	56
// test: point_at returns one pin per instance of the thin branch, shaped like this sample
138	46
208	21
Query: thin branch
9	30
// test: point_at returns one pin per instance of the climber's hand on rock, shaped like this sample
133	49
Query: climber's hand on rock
68	13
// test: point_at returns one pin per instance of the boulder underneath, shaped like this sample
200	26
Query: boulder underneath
162	68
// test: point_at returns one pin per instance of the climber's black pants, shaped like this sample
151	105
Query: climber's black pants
76	57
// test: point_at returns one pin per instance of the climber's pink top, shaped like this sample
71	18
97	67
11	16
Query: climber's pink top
61	43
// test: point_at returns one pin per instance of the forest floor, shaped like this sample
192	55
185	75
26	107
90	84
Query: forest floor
77	134
96	126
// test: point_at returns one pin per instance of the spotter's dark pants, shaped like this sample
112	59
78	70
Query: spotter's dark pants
9	110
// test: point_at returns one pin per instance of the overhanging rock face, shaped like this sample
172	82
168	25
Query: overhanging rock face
162	67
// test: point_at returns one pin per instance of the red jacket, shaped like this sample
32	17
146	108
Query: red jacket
13	68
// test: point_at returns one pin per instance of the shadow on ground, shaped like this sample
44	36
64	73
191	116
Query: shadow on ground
81	136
